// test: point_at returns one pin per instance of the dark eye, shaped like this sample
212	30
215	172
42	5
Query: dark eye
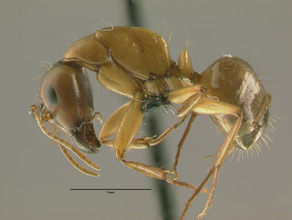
51	96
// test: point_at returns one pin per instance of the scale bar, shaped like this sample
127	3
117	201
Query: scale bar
104	189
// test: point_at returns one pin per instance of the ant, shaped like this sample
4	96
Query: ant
135	63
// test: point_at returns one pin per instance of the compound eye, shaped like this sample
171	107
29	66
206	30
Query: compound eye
51	96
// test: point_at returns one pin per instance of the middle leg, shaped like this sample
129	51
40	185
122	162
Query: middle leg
126	130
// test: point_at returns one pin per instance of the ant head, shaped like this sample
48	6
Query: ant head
67	96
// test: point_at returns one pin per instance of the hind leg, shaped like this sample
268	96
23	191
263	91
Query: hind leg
213	107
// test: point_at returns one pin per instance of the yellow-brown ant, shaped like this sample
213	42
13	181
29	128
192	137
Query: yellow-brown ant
135	62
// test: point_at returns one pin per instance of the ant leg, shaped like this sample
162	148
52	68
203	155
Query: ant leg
180	144
116	79
158	173
183	95
213	107
142	143
189	97
111	126
127	129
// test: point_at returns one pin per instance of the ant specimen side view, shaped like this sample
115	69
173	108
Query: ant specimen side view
135	63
